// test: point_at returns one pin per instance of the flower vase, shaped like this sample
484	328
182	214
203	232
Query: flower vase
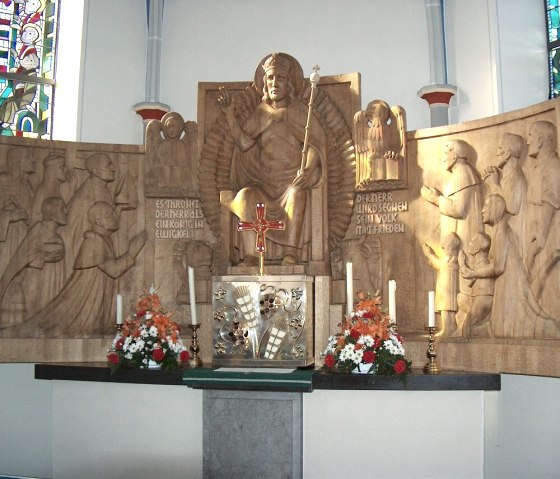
363	368
153	365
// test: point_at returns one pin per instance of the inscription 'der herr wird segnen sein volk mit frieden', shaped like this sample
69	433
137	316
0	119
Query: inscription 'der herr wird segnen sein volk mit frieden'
378	213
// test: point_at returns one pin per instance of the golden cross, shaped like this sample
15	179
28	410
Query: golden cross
260	226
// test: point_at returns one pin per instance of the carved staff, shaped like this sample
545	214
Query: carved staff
314	79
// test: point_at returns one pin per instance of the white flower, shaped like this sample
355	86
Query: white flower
128	356
393	347
153	332
367	340
148	315
152	289
357	356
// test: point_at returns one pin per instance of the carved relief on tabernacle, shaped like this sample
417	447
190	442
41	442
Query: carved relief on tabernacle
380	140
172	157
55	230
509	264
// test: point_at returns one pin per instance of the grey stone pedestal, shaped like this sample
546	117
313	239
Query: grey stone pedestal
252	434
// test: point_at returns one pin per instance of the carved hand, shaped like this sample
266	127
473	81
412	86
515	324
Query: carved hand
225	101
430	194
491	175
18	214
391	155
53	256
137	243
462	259
302	179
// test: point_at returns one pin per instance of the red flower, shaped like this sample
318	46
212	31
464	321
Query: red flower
400	366
113	358
120	343
141	313
368	315
368	357
184	356
355	334
376	343
330	361
158	354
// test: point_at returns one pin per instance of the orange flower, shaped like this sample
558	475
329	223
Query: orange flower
144	304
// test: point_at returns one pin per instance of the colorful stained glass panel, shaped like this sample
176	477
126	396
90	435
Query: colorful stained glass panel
28	31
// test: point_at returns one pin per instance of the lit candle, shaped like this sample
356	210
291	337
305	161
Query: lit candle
392	304
192	296
349	289
431	309
119	308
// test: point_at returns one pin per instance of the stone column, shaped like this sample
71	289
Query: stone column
151	108
438	93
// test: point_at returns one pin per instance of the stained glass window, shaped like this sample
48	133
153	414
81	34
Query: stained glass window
553	24
28	32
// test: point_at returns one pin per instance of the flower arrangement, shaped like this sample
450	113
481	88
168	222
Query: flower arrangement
148	337
368	342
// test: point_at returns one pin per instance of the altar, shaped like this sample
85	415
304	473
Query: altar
342	425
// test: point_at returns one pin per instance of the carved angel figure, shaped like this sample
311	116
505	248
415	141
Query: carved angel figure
380	136
253	152
171	149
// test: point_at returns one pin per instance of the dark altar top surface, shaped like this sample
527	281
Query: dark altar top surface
305	380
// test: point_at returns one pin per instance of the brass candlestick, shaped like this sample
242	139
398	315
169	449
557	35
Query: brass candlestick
431	367
195	361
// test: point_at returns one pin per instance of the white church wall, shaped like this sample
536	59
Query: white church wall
25	422
114	72
495	50
496	56
49	428
523	55
385	40
435	434
126	430
523	429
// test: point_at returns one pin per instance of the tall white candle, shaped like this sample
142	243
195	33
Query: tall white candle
431	309
192	296
349	289
119	308
392	302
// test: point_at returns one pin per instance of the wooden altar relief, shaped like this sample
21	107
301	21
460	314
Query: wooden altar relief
498	289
